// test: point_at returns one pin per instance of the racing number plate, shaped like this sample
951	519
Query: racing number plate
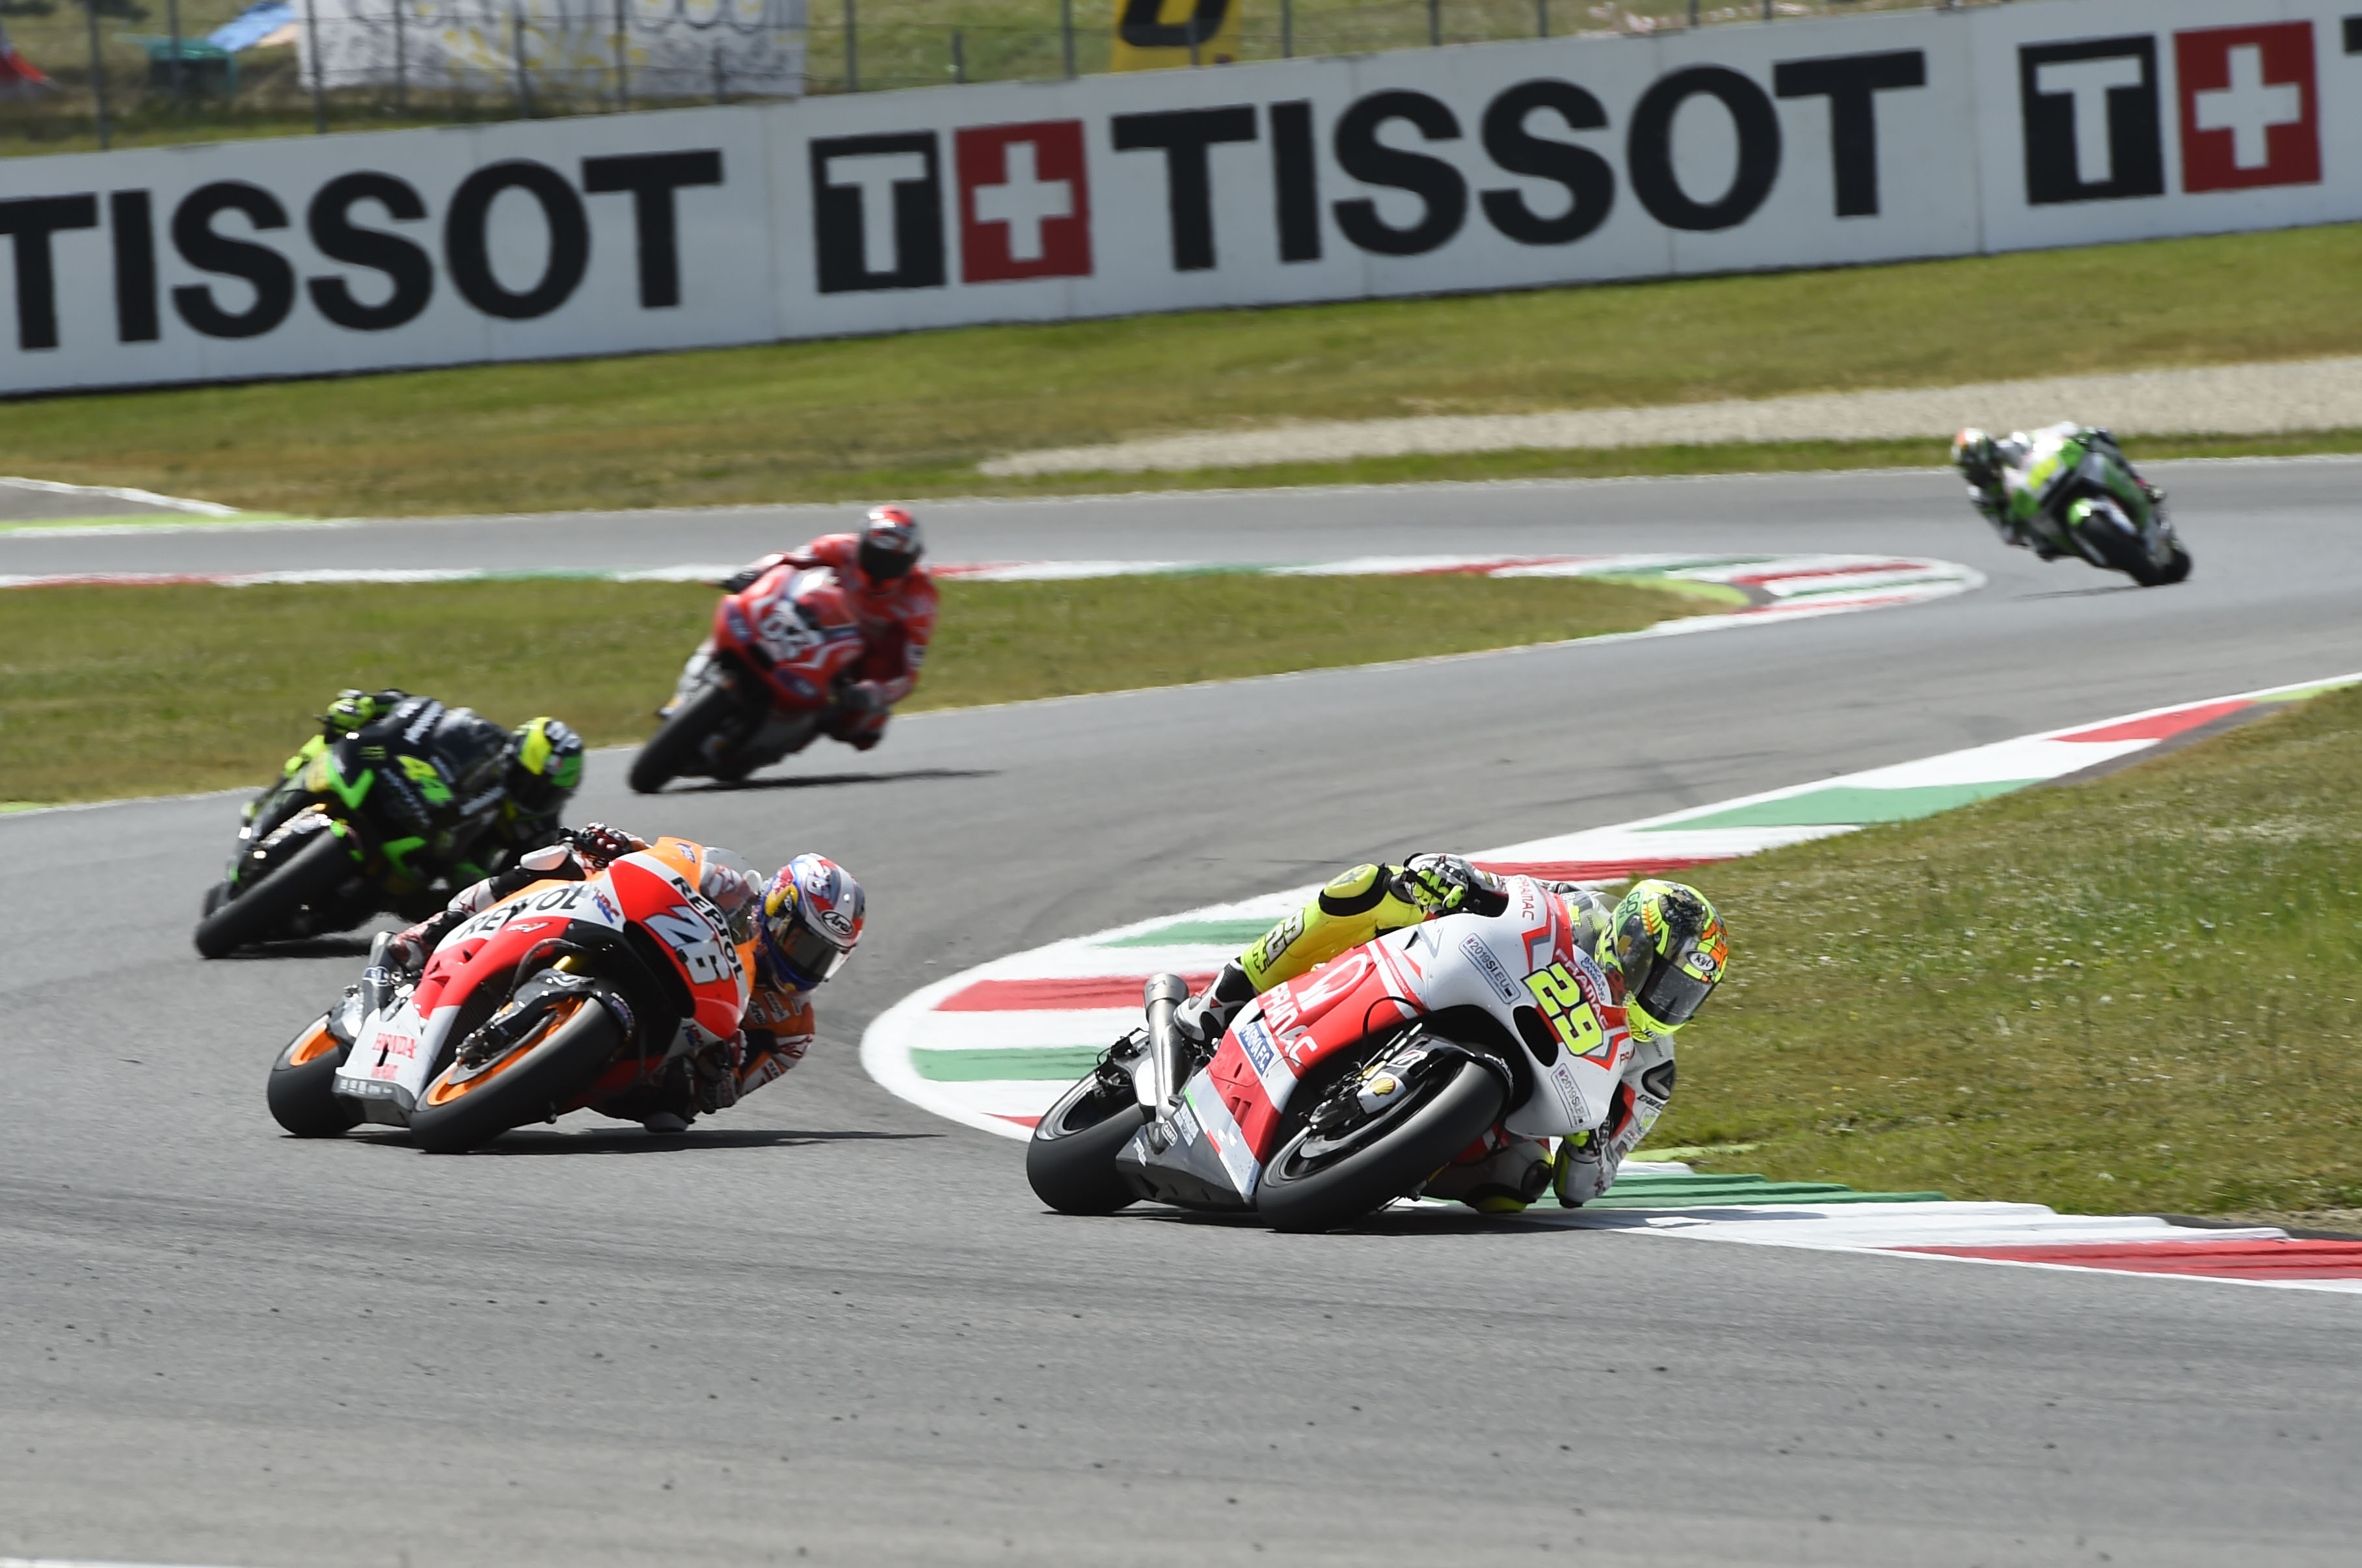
1559	996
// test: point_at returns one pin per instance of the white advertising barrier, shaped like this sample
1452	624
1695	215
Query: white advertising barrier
1491	166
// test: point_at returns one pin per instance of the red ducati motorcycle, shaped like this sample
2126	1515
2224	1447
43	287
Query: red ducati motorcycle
783	652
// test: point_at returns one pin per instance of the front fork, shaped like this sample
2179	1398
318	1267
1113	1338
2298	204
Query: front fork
693	675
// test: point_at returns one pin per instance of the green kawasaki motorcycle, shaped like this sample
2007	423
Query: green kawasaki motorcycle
2078	496
377	818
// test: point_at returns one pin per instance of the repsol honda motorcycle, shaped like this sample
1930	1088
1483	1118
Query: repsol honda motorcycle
782	654
566	996
358	824
2086	500
1336	1093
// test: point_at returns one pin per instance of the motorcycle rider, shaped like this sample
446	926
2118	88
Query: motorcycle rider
530	772
1661	946
2016	492
804	922
893	600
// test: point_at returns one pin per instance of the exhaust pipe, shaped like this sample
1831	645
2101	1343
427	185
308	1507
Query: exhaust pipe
1161	996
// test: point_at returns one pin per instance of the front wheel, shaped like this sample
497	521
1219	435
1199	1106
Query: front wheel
468	1104
1071	1161
1317	1181
675	745
302	1085
266	908
2176	567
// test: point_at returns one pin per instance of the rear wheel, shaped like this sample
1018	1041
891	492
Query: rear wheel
464	1106
1071	1161
303	1081
1317	1181
674	746
266	908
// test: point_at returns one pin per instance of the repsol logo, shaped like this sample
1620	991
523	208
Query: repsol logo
1020	195
385	233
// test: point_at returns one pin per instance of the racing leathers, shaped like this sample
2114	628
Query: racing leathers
2026	484
773	1032
897	617
1501	1173
503	793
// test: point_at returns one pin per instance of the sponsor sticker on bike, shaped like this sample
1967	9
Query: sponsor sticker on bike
1481	955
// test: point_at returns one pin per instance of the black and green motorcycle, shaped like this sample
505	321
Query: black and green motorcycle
384	812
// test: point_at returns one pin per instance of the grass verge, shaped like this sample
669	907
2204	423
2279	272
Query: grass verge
913	415
2135	994
107	692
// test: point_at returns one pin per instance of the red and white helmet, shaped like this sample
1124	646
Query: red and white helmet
890	546
812	918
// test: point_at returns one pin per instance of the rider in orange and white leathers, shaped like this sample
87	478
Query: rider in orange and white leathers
1661	946
893	600
804	923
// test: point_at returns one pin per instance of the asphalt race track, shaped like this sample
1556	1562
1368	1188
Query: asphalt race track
826	1327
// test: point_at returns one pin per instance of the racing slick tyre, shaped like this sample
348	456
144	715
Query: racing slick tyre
2124	551
675	745
464	1106
1071	1161
268	907
1317	1183
303	1081
2176	567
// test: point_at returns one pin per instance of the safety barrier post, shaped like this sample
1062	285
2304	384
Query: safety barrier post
1767	10
98	76
623	82
1435	23
721	82
1067	36
319	69
1288	29
959	58
400	60
1541	17
852	50
516	53
180	78
1693	12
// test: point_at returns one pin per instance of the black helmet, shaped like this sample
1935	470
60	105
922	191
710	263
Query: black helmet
890	546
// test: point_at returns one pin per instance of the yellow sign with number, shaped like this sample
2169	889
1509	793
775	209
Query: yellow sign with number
1156	35
1560	996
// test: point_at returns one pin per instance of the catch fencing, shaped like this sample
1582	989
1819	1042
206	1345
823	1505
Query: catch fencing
1804	143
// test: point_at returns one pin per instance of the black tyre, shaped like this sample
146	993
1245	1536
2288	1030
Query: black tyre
461	1109
268	908
1312	1185
2121	549
302	1085
1071	1161
674	746
2176	567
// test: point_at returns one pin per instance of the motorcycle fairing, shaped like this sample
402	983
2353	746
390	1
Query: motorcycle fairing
648	889
1521	967
793	625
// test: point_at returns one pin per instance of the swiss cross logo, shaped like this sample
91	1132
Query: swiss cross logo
2251	112
1024	202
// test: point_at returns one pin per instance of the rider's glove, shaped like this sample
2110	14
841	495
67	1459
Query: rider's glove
747	576
716	1071
1446	884
859	697
406	951
598	844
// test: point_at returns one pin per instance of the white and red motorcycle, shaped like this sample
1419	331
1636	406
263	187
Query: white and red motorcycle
1336	1093
565	996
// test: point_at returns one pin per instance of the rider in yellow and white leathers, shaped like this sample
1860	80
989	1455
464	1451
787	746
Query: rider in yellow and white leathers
1661	943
